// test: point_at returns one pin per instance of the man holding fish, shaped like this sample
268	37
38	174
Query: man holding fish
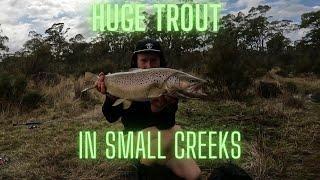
146	99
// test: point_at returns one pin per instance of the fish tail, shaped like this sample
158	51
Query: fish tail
88	76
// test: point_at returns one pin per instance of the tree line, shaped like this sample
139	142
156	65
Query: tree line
246	46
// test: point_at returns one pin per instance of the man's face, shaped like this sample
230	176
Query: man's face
148	60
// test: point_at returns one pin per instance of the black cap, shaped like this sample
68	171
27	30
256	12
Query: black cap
147	46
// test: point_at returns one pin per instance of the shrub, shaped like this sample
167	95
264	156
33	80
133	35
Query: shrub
5	86
31	99
230	74
106	66
291	87
284	72
19	85
12	87
293	102
46	78
268	89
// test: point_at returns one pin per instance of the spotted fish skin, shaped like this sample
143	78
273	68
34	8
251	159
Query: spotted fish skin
139	84
145	84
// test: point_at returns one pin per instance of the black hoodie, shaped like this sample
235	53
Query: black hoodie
139	115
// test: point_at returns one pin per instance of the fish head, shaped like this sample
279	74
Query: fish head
187	85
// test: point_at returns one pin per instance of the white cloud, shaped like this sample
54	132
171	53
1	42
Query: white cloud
297	35
281	9
19	17
17	34
316	7
284	10
245	5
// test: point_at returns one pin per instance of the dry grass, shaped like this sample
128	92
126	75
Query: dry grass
280	140
259	159
59	102
293	101
273	108
305	83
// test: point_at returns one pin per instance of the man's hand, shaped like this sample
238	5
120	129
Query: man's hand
101	87
157	104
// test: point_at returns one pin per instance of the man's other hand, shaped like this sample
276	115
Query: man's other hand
157	104
101	87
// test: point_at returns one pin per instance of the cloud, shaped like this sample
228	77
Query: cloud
19	17
245	5
316	7
17	34
284	10
280	9
298	34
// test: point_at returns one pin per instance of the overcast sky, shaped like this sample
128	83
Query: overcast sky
18	17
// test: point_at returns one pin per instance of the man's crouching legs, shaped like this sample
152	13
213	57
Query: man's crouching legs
185	168
167	140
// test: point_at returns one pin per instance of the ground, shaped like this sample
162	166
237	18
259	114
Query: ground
279	141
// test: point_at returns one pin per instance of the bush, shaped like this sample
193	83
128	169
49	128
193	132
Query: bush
5	86
46	78
291	87
268	89
31	99
284	72
12	87
230	73
19	85
293	102
13	91
106	66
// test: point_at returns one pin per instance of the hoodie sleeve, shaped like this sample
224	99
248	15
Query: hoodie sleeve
111	113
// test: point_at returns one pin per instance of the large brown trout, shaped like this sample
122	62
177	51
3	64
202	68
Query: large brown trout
145	84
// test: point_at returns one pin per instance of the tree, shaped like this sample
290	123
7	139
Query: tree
3	40
34	43
277	44
56	39
312	20
176	43
254	29
38	54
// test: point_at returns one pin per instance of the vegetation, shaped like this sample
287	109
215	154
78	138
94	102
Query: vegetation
246	47
43	81
279	135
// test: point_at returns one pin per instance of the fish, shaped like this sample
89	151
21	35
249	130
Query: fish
146	84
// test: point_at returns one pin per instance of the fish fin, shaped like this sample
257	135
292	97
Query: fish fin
126	104
182	95
171	94
134	69
155	91
87	89
118	101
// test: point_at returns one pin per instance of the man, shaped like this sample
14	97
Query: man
154	116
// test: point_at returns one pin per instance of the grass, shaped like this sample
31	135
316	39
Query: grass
279	141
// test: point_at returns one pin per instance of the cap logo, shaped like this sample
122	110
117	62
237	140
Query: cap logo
149	45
